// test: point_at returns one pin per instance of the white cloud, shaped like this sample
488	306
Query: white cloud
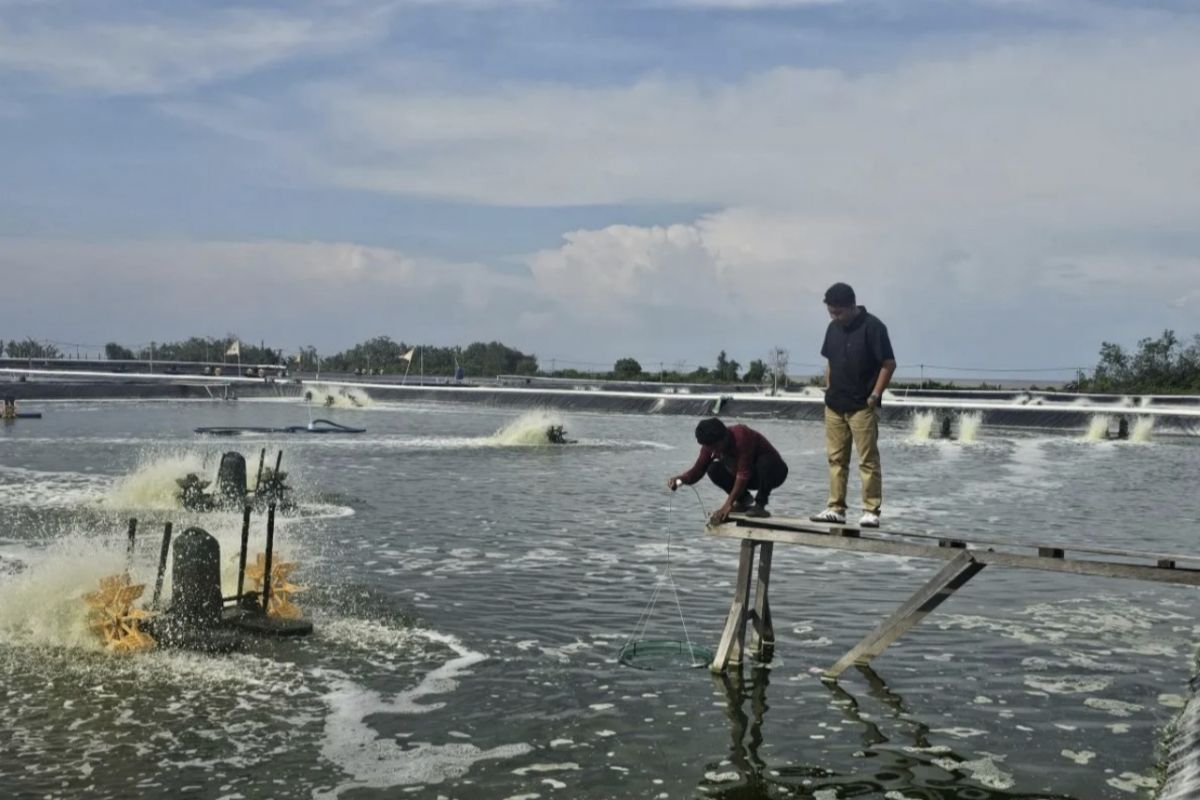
1084	128
156	54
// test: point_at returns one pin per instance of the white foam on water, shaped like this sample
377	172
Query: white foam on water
154	483
1143	429
1097	430
28	488
528	430
1132	781
43	605
325	396
984	770
1067	685
922	426
1081	757
355	748
1117	708
969	425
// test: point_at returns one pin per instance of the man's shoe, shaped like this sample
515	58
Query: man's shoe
830	514
869	519
757	511
742	506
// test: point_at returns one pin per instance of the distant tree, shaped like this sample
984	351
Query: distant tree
756	372
1161	365
727	369
306	359
31	348
115	352
627	369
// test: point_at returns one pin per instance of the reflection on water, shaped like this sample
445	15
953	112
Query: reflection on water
900	760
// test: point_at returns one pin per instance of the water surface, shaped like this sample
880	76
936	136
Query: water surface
471	589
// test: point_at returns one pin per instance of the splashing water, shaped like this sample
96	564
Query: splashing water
969	425
43	605
154	484
1143	428
1098	428
922	427
528	430
324	396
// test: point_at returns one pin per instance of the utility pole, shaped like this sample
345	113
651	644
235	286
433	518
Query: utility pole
152	356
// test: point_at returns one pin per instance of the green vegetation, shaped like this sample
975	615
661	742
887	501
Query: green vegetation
725	371
384	356
1159	366
30	349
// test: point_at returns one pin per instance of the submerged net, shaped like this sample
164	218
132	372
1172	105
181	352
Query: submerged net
661	654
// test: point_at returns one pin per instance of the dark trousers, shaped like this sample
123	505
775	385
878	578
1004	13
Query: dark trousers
766	474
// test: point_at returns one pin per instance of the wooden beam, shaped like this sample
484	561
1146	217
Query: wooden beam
799	524
936	591
899	547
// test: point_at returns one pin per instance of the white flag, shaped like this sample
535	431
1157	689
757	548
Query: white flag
235	349
408	356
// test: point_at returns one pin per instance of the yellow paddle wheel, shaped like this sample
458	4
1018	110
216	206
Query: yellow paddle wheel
113	618
282	588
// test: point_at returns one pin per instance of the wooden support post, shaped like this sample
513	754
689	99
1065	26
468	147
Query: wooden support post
730	648
131	541
762	642
957	572
162	565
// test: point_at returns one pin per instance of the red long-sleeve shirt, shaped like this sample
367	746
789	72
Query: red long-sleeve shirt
739	453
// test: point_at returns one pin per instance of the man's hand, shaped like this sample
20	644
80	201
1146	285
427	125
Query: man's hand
720	515
873	400
673	483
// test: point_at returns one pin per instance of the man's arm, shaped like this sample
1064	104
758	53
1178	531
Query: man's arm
826	374
696	471
722	513
885	377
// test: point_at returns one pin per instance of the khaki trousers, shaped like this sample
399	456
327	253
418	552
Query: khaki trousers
862	428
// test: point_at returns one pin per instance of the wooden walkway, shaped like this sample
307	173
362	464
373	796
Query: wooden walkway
751	609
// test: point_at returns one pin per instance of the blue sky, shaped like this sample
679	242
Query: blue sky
1007	183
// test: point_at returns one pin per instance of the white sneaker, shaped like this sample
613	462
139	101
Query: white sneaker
869	519
829	515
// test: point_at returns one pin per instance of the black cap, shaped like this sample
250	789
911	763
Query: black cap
840	294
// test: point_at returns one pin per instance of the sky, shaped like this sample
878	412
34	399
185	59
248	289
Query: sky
1006	183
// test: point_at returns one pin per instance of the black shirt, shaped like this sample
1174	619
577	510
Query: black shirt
855	352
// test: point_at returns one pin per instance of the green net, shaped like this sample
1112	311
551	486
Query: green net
662	654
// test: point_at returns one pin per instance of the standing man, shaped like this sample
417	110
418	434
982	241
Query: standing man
737	459
859	366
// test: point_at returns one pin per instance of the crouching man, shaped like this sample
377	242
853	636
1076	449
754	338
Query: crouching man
739	459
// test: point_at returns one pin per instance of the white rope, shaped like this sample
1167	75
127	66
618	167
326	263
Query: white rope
639	628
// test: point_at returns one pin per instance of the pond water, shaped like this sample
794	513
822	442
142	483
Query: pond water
471	586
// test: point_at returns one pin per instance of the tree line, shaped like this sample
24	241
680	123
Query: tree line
1163	365
382	355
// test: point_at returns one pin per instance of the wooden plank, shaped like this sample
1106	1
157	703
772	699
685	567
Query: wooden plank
762	642
936	591
730	648
865	544
801	524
